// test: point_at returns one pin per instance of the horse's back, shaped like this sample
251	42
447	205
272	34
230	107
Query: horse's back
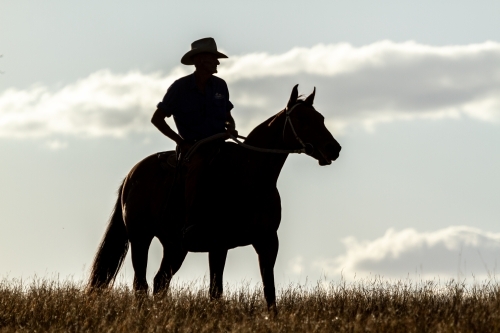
150	168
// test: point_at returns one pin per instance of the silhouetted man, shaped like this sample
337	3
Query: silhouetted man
201	108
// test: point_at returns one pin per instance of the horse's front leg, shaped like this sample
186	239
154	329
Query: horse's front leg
267	250
216	262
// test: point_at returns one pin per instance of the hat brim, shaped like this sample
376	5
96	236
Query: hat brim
187	59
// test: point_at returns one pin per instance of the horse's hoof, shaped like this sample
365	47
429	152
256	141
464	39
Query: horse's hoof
273	311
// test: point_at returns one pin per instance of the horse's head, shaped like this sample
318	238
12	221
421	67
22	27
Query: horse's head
306	127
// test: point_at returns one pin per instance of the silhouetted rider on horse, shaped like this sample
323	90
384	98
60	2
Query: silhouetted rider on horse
201	108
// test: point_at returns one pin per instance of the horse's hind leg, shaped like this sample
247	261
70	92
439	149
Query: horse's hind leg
173	257
140	248
216	261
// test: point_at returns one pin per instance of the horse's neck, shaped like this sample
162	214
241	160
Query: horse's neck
269	135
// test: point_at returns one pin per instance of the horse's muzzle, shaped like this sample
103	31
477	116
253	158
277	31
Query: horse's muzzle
330	152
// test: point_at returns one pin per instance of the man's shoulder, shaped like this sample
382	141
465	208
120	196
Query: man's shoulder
183	81
218	80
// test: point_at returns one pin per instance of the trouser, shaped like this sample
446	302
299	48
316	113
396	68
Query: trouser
196	191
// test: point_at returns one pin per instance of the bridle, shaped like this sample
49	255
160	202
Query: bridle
306	147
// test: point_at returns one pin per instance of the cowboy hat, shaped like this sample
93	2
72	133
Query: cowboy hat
201	46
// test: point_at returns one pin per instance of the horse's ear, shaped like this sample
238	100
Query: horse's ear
293	97
310	99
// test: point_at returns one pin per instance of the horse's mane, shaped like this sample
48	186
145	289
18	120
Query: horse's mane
269	122
300	100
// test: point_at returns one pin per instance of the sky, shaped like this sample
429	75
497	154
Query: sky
410	89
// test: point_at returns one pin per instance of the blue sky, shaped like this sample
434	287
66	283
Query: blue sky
410	89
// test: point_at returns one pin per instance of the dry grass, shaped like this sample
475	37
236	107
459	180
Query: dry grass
369	306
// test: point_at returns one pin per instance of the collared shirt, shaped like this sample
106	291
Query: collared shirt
197	115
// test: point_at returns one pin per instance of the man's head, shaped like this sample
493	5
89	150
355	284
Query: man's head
206	62
200	47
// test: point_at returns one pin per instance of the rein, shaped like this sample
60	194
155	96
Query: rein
262	150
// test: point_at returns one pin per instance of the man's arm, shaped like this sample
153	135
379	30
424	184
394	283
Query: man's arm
158	120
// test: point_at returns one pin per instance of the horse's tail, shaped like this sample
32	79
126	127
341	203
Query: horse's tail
112	250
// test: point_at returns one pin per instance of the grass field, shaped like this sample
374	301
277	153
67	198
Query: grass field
374	306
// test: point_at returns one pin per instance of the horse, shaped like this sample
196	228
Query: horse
242	203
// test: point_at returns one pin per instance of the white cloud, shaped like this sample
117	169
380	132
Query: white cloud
103	104
453	252
380	82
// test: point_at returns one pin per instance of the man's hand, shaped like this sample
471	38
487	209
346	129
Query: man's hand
232	132
231	125
184	146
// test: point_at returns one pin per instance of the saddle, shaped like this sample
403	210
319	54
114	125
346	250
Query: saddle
167	159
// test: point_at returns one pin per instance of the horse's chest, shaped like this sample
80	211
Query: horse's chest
262	207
